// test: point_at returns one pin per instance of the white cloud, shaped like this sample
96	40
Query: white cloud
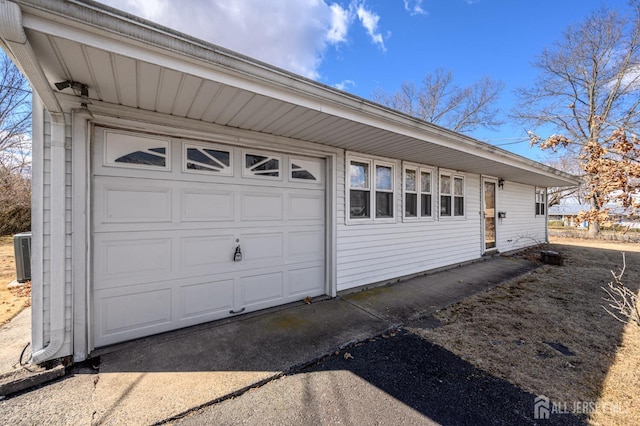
414	7
369	21
291	34
344	85
339	24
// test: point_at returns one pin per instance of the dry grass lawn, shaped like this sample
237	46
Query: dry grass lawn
507	331
12	301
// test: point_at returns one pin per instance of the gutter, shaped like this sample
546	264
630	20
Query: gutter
18	48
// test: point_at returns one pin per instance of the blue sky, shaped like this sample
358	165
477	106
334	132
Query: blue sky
364	45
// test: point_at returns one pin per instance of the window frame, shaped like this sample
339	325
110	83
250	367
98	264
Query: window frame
372	188
453	176
376	190
540	202
419	192
271	156
319	179
111	145
215	147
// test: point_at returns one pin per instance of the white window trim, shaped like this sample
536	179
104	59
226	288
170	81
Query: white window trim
453	175
543	193
419	169
372	162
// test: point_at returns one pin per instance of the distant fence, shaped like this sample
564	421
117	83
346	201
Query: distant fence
606	235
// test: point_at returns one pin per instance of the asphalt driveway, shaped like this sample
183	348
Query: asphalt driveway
397	378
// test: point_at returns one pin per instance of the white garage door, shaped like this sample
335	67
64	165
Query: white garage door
187	232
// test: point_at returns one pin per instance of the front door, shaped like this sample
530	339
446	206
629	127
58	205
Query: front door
489	215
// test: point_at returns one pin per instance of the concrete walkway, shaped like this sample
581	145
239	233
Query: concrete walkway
162	377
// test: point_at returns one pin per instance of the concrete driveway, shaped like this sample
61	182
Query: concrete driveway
165	377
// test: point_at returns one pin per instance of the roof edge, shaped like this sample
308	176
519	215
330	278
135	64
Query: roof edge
123	25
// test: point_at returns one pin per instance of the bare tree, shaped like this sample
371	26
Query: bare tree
569	164
588	95
622	300
15	149
15	118
440	101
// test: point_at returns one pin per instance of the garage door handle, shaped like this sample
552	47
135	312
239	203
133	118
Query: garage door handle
237	256
236	312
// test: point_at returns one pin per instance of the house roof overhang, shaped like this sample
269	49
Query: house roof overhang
132	63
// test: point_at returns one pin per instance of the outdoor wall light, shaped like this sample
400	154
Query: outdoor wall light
501	183
83	88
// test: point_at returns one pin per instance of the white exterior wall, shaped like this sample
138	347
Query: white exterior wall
372	252
521	228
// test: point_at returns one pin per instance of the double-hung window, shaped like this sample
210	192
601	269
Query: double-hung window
426	200
384	190
371	189
417	192
541	201
451	195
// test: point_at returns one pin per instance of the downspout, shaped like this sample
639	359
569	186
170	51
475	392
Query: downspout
546	215
15	40
57	246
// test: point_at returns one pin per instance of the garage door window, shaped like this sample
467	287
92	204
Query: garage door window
261	165
208	159
308	170
126	150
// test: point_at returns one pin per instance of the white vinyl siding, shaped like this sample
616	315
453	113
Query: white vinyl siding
378	252
521	228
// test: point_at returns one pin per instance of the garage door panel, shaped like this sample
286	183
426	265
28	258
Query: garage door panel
127	315
306	281
257	206
206	206
305	245
262	288
306	206
130	257
126	204
206	252
261	247
207	299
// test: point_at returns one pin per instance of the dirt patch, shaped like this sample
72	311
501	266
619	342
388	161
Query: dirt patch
12	300
548	333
